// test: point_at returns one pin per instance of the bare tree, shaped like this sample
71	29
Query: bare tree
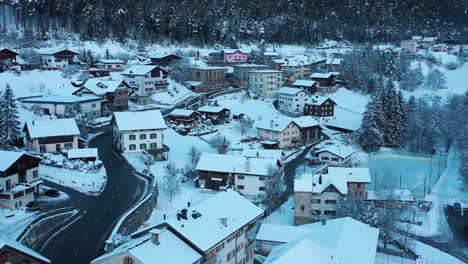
220	143
245	124
194	156
171	181
273	187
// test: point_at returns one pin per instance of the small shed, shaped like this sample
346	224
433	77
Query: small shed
84	154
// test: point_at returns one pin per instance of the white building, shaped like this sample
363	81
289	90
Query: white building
140	131
279	132
51	136
409	45
58	59
19	179
332	241
335	155
220	229
146	80
245	174
293	99
265	83
88	106
110	64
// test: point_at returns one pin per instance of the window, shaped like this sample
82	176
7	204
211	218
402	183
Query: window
220	247
329	212
132	146
261	178
240	177
132	137
302	207
128	260
330	201
143	146
358	185
334	159
315	212
58	147
142	136
315	201
240	187
153	135
42	149
93	105
261	188
68	145
153	146
35	174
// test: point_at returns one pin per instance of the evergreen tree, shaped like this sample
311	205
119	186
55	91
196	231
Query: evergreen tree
89	59
9	121
108	56
370	136
436	80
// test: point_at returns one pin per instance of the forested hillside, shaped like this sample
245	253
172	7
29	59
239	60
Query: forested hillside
228	21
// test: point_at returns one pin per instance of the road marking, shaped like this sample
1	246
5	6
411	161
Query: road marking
76	251
117	155
87	234
97	219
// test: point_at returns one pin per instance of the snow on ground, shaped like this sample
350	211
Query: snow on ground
174	94
432	255
87	183
283	215
349	100
381	258
13	222
62	196
36	82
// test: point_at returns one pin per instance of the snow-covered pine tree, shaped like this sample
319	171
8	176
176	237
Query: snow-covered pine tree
108	55
370	136
412	124
89	59
9	123
436	80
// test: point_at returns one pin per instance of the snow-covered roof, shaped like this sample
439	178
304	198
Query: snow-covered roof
52	128
333	241
82	153
101	86
280	233
339	150
351	174
320	75
292	62
306	83
182	112
278	123
234	164
6	242
53	51
430	39
270	53
391	195
245	65
275	154
318	100
139	70
140	120
211	109
111	61
265	71
61	99
193	83
209	68
207	231
416	37
235	51
345	120
305	121
291	91
160	55
8	158
333	61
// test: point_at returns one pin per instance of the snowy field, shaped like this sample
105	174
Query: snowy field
36	82
386	167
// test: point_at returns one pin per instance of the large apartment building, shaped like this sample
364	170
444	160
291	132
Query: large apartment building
241	73
205	79
145	80
265	83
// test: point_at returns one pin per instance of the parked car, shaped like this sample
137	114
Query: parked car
52	193
33	206
457	210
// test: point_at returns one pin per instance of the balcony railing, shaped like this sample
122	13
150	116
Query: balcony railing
250	247
20	190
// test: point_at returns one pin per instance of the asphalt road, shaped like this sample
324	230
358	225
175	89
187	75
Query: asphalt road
84	240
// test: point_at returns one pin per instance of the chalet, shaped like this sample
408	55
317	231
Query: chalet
133	135
19	179
265	83
311	131
293	100
316	195
205	232
145	80
95	73
320	107
241	73
14	252
84	154
184	117
57	59
333	154
323	79
7	57
292	68
333	65
51	136
307	85
235	56
113	92
409	45
111	64
164	60
61	105
211	78
246	175
279	132
332	241
214	113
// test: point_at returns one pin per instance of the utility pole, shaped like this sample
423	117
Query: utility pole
430	175
400	181
424	192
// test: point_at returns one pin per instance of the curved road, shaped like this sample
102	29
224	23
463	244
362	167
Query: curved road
84	239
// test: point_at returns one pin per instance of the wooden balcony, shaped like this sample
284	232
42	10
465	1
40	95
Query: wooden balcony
20	190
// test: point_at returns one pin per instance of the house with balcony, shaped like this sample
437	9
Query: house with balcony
279	132
14	252
244	174
310	130
140	131
110	64
61	105
51	136
185	117
333	64
307	85
19	179
293	100
114	93
334	155
58	58
320	107
293	68
145	80
207	232
325	81
216	114
316	195
164	60
7	59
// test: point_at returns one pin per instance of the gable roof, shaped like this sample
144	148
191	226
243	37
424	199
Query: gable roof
306	83
275	154
291	91
320	75
61	99
9	51
319	100
306	121
207	231
111	61
52	128
139	120
211	109
21	249
277	124
182	112
101	86
140	70
333	61
8	158
235	164
339	150
57	50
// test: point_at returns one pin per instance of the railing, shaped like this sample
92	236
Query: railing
12	194
250	247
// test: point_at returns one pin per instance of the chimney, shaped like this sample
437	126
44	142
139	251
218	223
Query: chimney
109	245
272	123
324	222
223	221
188	204
247	165
320	179
155	235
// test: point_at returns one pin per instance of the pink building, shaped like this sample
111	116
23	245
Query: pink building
235	56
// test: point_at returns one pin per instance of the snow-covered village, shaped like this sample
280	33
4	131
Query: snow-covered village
237	132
